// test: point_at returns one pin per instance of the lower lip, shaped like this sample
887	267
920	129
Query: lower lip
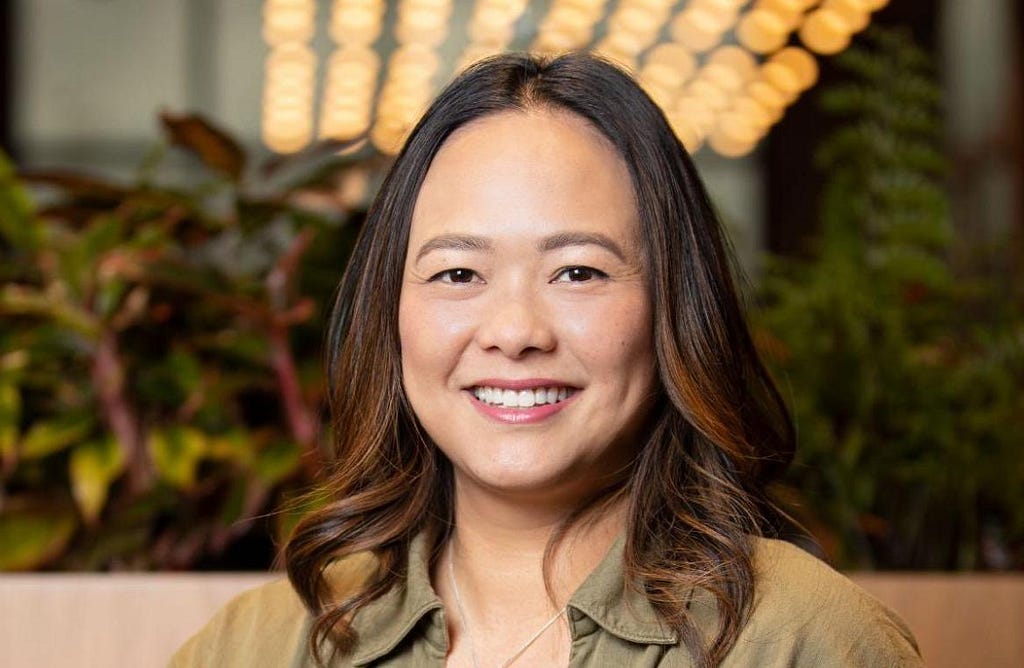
530	415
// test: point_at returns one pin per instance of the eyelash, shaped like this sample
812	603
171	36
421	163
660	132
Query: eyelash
593	273
448	275
440	276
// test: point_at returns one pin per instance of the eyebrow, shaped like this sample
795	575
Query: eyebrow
564	239
454	242
468	242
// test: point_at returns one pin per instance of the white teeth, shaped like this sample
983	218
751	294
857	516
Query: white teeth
522	398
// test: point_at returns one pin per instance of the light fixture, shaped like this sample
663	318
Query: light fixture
723	71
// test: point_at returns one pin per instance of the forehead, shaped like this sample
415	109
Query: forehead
534	169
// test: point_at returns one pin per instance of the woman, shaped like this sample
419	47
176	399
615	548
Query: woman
553	431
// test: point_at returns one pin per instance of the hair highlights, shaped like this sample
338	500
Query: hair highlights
720	433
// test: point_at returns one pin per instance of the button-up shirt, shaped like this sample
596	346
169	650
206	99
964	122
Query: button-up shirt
804	614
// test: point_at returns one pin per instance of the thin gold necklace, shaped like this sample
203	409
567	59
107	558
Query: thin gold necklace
465	623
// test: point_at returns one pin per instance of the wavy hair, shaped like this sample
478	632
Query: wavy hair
696	491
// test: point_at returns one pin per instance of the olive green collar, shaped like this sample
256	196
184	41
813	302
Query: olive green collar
603	597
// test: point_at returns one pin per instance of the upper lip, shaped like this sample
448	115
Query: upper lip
521	383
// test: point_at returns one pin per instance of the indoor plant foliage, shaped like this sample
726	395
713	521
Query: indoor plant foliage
905	374
159	354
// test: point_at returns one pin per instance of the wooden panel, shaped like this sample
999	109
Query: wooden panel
959	620
107	620
139	620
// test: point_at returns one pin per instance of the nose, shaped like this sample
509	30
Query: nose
516	324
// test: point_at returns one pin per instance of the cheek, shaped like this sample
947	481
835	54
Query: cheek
616	337
430	334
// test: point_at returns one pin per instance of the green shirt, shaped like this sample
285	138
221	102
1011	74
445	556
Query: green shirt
805	614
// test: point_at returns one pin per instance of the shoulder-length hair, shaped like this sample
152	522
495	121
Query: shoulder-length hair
696	490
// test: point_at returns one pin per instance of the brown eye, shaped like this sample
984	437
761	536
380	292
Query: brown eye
458	275
579	274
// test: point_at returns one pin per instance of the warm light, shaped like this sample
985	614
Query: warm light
288	21
492	25
635	20
735	58
714	97
348	94
356	23
734	135
726	95
782	79
800	62
634	26
568	25
421	25
670	64
762	31
725	8
697	29
414	61
767	96
723	77
290	75
663	76
756	113
625	43
698	115
854	13
685	130
825	32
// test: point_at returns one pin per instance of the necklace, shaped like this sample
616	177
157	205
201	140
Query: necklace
465	624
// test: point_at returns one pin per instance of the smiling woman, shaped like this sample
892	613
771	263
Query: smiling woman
553	434
522	282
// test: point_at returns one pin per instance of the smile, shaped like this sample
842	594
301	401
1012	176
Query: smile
525	398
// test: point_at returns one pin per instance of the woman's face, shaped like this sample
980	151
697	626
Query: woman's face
525	324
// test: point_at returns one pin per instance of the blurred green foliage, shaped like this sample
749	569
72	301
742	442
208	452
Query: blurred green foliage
904	365
160	386
159	352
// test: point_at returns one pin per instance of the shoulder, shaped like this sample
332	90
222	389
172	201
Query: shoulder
266	625
806	613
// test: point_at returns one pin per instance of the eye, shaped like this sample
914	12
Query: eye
579	275
457	275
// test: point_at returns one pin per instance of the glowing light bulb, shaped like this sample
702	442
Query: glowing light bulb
762	31
696	29
825	32
800	62
853	12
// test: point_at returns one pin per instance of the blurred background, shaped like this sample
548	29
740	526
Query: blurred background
181	183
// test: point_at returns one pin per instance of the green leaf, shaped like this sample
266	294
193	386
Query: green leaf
21	300
293	508
17	222
237	446
187	370
93	466
176	452
10	419
33	534
277	461
47	437
108	296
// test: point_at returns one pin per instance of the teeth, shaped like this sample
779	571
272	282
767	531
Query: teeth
522	398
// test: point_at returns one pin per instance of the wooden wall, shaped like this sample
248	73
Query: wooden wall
89	620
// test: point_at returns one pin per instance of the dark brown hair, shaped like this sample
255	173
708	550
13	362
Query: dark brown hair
696	490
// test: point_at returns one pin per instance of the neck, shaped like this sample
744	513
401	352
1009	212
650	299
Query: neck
499	546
